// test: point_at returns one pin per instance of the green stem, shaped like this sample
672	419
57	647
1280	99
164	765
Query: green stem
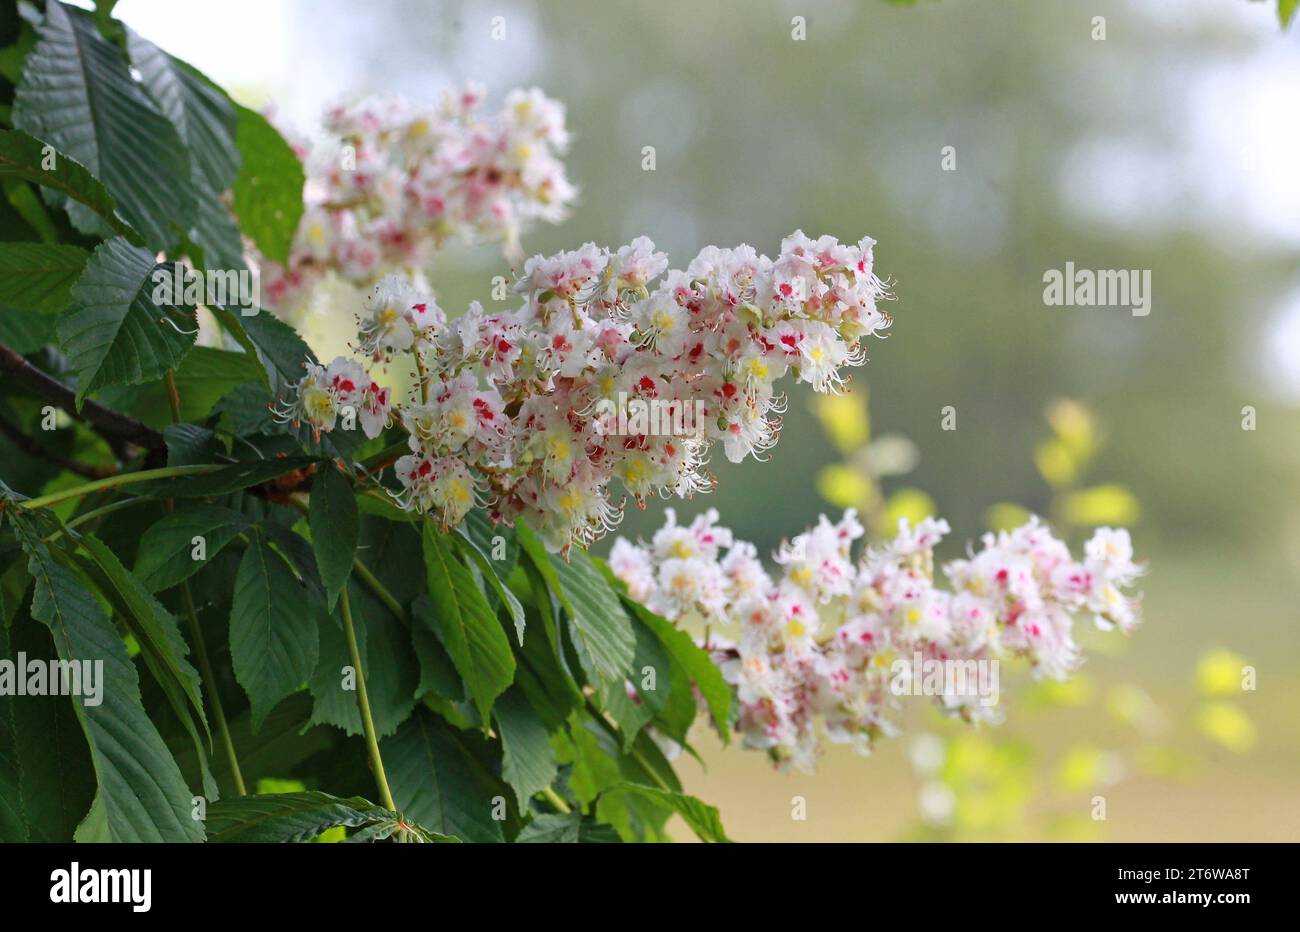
379	590
112	482
556	800
210	687
363	703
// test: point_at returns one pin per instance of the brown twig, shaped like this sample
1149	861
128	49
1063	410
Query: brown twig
35	450
117	429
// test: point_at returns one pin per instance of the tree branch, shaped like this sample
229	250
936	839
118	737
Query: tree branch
117	429
37	451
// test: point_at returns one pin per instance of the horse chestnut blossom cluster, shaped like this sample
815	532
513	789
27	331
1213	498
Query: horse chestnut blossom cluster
390	182
826	640
523	411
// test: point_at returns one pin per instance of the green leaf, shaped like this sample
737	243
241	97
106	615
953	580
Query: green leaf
142	795
155	628
391	669
287	817
1286	10
602	631
268	188
207	375
274	642
489	571
77	93
593	756
437	673
47	778
702	818
37	277
166	554
695	662
566	828
191	445
528	762
202	114
113	333
437	780
334	528
651	680
161	646
24	156
466	624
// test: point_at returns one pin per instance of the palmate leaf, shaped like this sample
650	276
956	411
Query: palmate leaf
113	333
298	817
37	277
438	779
202	114
491	573
603	633
528	762
274	640
77	94
141	795
154	627
166	554
24	156
335	526
204	118
695	662
465	623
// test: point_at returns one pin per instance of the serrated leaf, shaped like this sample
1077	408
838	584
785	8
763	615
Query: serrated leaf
695	663
38	277
24	156
113	333
602	631
165	557
466	624
287	817
201	113
701	817
437	781
528	762
274	641
77	93
334	528
268	188
490	573
142	795
650	682
190	445
566	828
154	627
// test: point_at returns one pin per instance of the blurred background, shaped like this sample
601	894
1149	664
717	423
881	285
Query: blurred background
1171	145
